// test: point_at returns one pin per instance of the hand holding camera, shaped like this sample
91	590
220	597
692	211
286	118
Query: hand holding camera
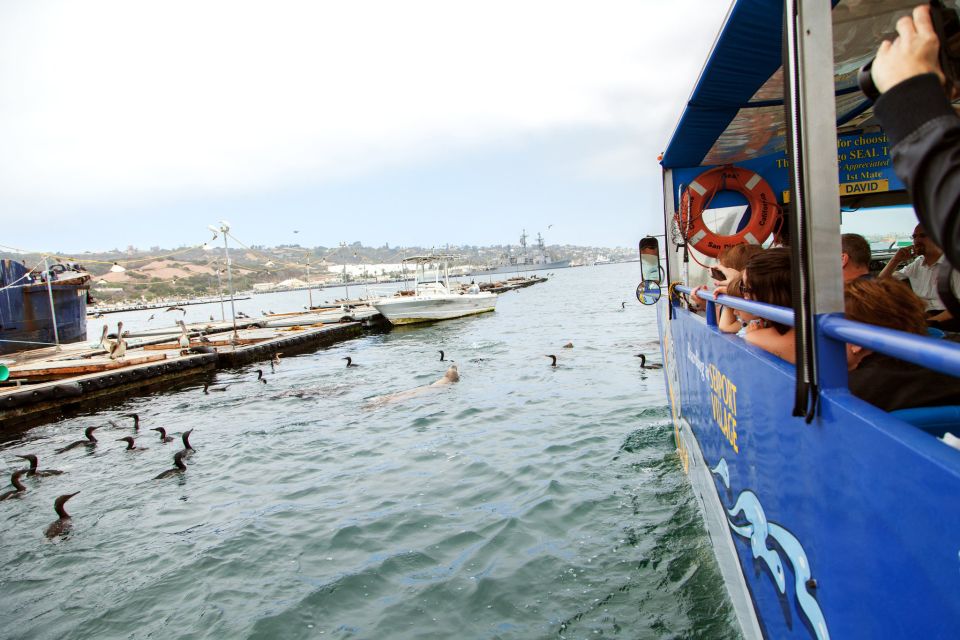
915	51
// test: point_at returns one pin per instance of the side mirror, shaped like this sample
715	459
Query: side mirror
650	268
648	292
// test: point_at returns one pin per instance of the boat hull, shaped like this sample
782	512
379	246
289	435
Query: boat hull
844	527
25	318
412	310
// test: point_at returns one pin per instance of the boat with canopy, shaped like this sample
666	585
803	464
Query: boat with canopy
829	516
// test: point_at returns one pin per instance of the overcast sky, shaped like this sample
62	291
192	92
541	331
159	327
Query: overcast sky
409	123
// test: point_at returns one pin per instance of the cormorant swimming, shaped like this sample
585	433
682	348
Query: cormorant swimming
644	365
136	420
441	355
163	434
260	376
350	362
131	444
91	440
220	387
18	488
187	447
62	525
554	359
33	471
179	468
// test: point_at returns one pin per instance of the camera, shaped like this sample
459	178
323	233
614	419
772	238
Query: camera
946	23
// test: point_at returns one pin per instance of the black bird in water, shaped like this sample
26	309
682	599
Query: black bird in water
91	441
350	362
260	377
63	524
623	305
33	471
441	355
131	444
644	365
163	434
136	420
554	363
220	387
18	488
179	468
187	447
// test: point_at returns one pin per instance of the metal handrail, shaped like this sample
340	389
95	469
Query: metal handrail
781	315
938	355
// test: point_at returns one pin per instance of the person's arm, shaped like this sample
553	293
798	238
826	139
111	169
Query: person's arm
902	254
923	129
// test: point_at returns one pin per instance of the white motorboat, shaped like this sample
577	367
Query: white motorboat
332	316
431	301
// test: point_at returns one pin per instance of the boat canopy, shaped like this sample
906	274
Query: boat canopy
736	115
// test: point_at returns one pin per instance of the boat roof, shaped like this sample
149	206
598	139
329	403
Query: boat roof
735	112
433	257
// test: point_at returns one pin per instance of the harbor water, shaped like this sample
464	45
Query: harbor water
526	501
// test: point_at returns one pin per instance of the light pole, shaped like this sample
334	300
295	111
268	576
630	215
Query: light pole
224	228
216	262
309	286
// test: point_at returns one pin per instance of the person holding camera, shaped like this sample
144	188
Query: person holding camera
924	131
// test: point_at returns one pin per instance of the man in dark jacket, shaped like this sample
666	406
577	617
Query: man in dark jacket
922	127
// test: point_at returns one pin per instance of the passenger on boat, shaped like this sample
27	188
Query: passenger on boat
767	279
855	257
733	260
879	379
744	321
923	129
922	274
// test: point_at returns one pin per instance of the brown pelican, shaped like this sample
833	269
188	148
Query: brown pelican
554	358
91	440
18	488
62	525
33	471
184	340
106	342
119	348
275	362
131	444
179	467
163	434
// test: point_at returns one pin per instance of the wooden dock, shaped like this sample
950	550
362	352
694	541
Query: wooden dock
46	383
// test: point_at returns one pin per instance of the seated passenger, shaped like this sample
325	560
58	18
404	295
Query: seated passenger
744	321
767	279
732	262
922	274
854	257
879	379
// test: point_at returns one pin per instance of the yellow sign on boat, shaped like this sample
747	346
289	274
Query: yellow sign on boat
855	188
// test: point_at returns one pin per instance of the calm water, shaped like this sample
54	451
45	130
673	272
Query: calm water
523	502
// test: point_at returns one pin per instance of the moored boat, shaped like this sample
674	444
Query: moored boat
432	301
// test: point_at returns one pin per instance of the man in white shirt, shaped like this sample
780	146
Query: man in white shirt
922	273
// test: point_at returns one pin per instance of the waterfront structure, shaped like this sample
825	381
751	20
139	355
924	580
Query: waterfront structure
41	307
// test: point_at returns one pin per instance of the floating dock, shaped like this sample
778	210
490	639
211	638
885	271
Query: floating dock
46	383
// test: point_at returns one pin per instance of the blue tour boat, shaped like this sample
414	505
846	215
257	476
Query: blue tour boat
828	516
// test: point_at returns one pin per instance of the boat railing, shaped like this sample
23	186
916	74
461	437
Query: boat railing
937	354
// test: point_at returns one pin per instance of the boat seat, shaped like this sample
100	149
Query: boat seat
934	420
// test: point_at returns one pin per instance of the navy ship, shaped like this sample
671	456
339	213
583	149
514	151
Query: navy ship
538	260
30	299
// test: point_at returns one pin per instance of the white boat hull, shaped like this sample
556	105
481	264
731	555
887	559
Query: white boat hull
413	309
326	317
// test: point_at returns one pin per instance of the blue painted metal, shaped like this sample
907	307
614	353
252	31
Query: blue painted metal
25	310
869	499
769	311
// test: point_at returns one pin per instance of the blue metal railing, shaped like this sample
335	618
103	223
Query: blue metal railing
932	353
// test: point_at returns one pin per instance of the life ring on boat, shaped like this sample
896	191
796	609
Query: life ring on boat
764	210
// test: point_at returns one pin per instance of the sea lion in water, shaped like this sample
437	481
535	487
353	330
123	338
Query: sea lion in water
91	441
18	488
451	376
32	471
63	524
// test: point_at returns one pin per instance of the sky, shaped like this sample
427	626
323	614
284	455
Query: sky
404	123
